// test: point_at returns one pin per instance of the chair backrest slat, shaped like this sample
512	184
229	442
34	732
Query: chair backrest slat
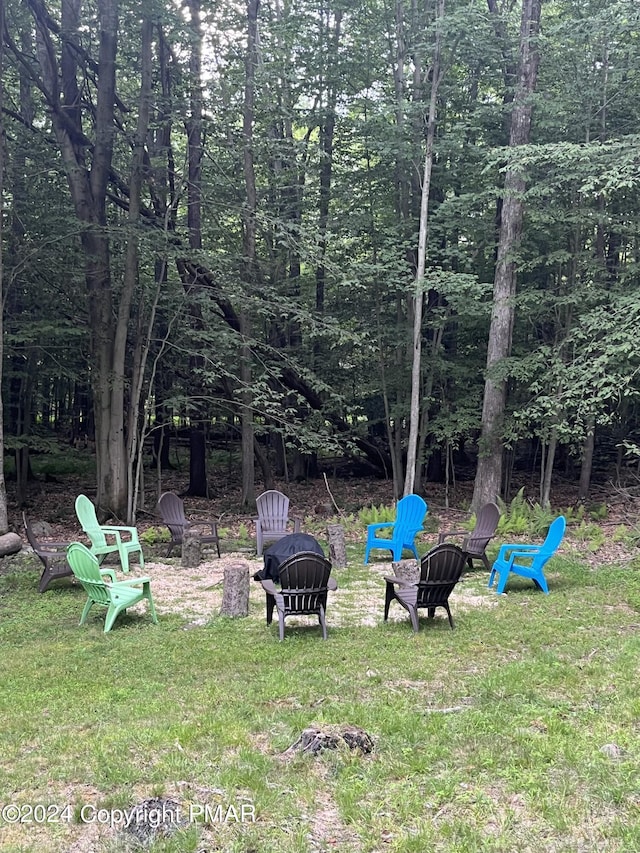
485	528
88	519
304	578
440	570
86	569
171	508
554	537
273	510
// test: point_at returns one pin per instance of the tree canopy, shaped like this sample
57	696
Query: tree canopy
211	224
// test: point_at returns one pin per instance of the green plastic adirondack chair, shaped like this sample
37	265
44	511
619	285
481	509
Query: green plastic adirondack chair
115	596
107	539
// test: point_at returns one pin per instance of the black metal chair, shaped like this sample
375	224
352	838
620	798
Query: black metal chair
440	571
304	583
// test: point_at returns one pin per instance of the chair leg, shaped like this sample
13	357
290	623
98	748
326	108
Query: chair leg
502	582
281	624
112	614
389	596
124	560
271	603
491	578
86	610
486	562
413	613
541	582
146	587
323	623
446	607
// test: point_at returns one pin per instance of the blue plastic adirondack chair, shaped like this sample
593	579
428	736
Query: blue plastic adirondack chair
410	513
528	561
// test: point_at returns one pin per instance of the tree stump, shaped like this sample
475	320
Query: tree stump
235	589
337	548
191	549
10	543
316	739
408	570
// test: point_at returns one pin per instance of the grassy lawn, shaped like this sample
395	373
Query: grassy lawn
487	738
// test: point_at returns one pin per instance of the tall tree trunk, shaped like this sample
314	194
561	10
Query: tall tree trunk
249	245
135	429
19	405
327	130
88	186
588	448
198	464
4	524
489	473
416	365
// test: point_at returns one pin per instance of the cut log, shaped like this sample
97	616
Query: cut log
337	547
235	589
408	570
191	549
10	543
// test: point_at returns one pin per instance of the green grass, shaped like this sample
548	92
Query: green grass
488	738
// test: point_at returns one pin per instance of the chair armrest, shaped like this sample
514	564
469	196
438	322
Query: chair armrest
109	573
113	533
514	555
506	548
399	581
269	586
332	584
212	524
380	524
117	531
134	581
53	549
442	536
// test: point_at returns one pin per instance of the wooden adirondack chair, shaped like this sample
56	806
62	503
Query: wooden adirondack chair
304	583
115	596
52	554
440	571
410	513
528	561
273	518
475	543
171	509
108	538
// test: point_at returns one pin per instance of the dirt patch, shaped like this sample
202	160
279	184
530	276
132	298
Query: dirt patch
196	594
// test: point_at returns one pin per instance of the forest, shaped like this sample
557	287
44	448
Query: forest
395	238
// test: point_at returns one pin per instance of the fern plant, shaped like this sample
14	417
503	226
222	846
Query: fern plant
376	514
